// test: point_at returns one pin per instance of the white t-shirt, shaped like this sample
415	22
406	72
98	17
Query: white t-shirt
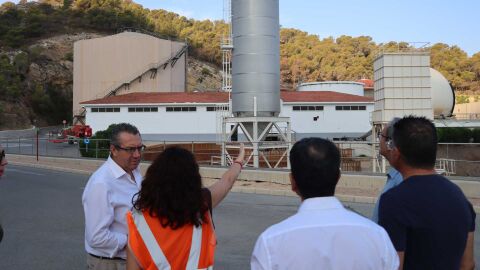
324	235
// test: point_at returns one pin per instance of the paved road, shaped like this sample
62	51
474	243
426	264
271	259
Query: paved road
25	142
43	220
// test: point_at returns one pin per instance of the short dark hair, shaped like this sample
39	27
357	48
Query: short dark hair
315	166
390	126
172	190
416	139
119	128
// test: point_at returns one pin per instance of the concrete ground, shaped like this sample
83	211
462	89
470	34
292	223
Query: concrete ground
42	216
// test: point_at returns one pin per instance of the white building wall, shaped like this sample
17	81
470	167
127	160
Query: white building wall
201	124
106	62
174	125
330	123
402	86
352	88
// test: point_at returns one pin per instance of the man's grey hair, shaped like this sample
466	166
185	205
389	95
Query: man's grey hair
119	128
390	143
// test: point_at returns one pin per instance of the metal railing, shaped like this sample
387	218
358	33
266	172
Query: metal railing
459	159
467	116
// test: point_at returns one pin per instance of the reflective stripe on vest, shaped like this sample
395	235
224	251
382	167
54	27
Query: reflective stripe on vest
147	236
142	240
195	248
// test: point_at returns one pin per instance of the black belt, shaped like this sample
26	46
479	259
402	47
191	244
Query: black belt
106	258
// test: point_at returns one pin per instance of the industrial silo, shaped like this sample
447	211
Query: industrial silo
256	57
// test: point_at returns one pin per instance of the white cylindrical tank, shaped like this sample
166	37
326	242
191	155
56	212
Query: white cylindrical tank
346	87
443	96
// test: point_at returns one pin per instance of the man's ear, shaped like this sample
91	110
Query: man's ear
293	183
113	150
395	156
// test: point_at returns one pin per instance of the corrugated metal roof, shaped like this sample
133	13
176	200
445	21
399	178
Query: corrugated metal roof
222	97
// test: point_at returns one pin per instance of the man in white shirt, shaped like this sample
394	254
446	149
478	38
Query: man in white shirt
107	198
323	234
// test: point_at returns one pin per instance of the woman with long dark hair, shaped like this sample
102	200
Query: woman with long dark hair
171	226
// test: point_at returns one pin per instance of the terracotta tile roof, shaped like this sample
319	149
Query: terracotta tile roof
169	97
367	83
222	97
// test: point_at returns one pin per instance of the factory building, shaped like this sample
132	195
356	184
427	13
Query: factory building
184	116
126	62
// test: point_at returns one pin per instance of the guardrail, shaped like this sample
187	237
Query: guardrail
467	116
460	159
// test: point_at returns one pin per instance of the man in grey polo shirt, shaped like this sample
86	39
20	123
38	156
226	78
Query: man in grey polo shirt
394	177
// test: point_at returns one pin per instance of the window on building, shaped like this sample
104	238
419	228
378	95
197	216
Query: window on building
351	108
307	108
220	108
181	109
142	109
105	109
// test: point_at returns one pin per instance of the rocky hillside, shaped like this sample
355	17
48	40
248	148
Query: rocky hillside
49	64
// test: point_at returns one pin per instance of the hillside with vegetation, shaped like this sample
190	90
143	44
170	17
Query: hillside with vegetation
36	41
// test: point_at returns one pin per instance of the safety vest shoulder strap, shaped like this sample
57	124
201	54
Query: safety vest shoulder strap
147	244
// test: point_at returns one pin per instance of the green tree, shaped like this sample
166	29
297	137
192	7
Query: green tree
99	144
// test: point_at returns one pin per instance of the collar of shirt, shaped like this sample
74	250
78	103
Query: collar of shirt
392	173
320	203
118	172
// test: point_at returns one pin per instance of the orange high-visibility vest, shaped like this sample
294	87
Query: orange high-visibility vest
159	248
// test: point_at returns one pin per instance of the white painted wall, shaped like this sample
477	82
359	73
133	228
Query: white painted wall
161	122
177	125
329	120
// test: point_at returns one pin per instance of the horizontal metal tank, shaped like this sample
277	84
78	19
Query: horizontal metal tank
256	57
443	96
346	87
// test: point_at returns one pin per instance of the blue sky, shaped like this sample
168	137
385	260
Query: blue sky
447	21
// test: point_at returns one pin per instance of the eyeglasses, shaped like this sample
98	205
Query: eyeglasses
132	150
2	156
379	135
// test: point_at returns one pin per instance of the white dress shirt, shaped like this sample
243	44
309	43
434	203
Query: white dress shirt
324	235
106	200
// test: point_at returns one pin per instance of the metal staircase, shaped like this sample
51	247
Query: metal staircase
226	45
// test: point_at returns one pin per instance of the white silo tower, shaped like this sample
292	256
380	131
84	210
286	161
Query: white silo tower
256	79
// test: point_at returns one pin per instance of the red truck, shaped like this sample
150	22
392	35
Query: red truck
72	133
